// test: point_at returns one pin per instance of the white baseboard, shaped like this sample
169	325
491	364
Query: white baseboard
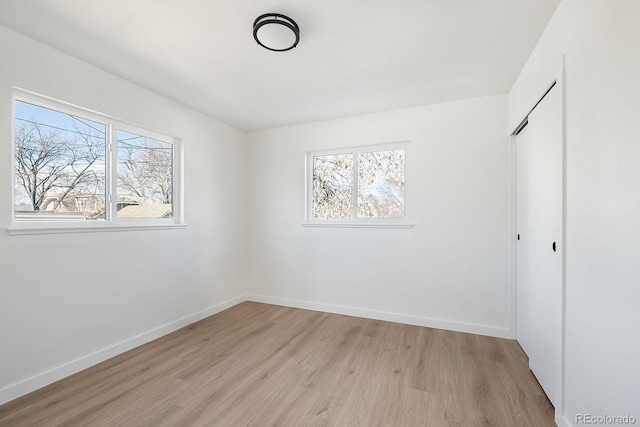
472	328
563	421
42	379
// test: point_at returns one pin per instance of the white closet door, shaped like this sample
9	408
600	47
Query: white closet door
522	251
545	243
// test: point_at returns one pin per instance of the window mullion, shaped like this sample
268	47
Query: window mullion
355	186
112	174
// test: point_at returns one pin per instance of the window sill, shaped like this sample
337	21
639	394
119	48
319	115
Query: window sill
20	230
356	225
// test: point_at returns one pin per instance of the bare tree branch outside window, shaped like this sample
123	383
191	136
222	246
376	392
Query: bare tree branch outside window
145	173
59	162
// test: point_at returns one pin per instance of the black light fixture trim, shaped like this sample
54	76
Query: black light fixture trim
276	18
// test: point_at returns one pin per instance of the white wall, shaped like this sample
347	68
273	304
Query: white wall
602	106
70	300
450	270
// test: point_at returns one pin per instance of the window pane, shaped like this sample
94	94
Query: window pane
381	184
145	177
333	187
59	165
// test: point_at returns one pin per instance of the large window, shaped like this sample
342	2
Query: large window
357	185
75	168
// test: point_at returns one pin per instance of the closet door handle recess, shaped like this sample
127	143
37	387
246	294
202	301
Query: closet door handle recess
553	246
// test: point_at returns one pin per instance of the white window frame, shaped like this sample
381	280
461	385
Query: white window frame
111	222
355	221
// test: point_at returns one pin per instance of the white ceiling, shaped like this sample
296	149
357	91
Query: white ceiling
354	56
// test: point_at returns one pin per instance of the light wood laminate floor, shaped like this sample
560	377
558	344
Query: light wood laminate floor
264	365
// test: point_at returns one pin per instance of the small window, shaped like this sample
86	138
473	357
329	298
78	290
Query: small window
73	168
357	185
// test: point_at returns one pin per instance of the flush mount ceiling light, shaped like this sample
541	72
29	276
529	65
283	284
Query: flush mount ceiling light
276	32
